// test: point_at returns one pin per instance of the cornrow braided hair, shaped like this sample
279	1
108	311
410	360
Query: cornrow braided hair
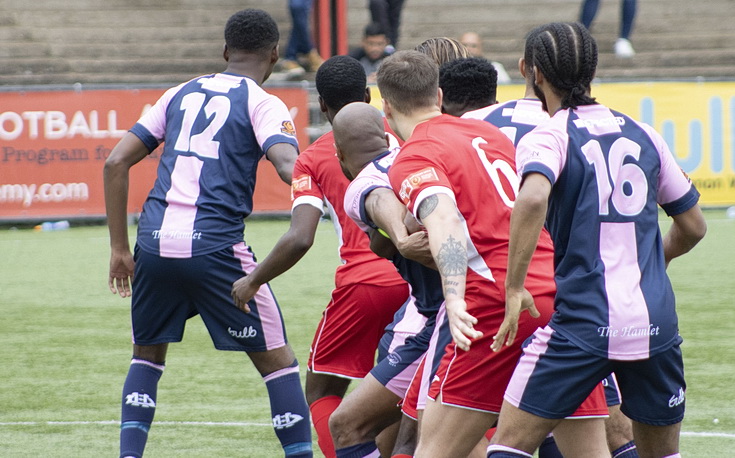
566	54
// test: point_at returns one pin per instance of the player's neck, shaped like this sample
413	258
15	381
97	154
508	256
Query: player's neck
254	69
407	123
553	104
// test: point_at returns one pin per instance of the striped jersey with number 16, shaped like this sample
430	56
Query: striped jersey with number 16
609	175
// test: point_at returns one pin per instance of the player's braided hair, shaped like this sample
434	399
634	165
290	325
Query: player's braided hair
251	30
528	50
470	82
566	54
341	80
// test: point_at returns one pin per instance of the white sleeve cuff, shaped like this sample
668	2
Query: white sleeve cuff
430	191
309	200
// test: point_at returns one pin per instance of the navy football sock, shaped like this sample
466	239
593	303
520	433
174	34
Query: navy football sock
138	406
290	411
549	449
501	451
366	449
626	451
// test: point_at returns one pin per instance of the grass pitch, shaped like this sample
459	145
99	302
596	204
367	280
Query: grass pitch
66	347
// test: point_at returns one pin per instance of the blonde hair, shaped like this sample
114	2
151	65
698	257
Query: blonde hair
443	49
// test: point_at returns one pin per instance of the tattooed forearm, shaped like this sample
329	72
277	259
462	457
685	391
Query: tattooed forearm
427	206
450	287
452	258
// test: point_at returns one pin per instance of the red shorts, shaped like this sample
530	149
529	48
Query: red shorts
595	405
409	404
415	398
476	379
351	327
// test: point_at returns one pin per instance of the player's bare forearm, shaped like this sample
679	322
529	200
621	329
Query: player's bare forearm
116	201
289	250
526	222
283	157
387	212
687	230
291	247
381	245
128	152
447	241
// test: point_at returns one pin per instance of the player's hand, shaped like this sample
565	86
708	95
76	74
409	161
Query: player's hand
515	302
122	267
416	248
461	323
243	290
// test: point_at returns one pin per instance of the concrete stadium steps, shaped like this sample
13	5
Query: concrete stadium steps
136	41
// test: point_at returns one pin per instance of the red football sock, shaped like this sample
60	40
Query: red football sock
321	410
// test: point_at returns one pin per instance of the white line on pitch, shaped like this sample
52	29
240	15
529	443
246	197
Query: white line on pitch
245	424
117	422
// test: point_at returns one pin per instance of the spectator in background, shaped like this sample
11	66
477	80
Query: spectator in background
300	44
473	42
372	51
387	13
623	47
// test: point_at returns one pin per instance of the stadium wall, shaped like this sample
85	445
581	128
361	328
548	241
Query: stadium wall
53	143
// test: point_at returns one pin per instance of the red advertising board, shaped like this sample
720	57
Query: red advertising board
53	145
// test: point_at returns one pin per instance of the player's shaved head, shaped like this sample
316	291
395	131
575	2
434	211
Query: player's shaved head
359	129
359	135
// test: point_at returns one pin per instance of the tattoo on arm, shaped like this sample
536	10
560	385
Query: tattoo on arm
428	205
452	258
449	286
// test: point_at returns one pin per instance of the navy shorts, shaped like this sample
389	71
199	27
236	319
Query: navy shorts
612	392
554	376
396	369
169	291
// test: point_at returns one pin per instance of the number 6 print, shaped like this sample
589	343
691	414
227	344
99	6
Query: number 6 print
494	169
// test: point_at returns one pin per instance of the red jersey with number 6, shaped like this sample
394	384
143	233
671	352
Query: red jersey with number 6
473	163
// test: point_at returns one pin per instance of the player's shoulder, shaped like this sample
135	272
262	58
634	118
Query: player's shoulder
549	131
320	149
483	113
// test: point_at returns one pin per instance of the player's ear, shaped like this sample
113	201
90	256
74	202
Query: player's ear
387	109
538	77
322	104
439	98
274	55
226	53
339	154
368	95
522	67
